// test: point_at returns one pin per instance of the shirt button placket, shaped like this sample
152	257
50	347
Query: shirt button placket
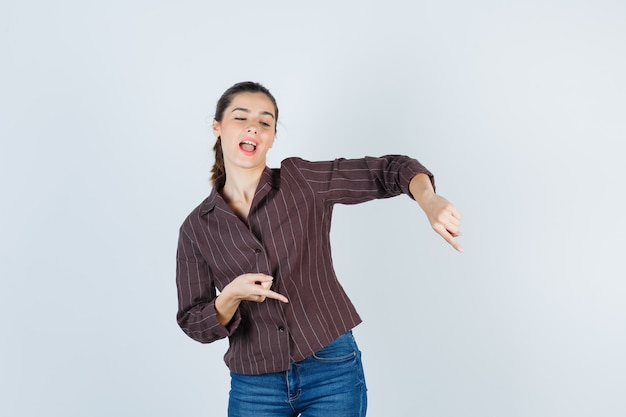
257	253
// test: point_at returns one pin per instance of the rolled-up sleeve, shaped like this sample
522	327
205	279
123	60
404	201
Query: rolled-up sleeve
352	181
196	315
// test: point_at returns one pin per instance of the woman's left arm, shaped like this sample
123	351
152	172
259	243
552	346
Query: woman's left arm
443	217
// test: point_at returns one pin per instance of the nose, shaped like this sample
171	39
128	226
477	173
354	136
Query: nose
252	129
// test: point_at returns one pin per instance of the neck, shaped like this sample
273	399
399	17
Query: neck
240	186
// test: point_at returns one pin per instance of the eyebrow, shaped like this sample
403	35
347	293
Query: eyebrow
248	111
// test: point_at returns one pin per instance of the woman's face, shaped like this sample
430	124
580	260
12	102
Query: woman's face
247	130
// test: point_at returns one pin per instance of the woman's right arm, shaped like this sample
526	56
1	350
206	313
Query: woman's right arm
197	315
202	314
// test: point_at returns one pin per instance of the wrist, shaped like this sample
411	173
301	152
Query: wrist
227	298
226	306
421	188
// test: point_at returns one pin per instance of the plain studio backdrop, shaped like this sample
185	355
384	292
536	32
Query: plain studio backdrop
517	107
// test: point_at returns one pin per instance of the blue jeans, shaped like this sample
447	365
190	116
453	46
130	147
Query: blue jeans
329	383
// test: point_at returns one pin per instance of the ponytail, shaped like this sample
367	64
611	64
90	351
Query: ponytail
218	166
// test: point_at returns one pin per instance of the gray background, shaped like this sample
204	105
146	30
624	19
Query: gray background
518	108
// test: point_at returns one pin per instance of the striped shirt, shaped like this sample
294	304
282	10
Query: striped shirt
288	238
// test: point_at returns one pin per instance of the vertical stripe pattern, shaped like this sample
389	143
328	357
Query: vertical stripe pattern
287	237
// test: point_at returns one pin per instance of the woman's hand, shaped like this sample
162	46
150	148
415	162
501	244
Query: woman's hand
443	217
252	287
249	287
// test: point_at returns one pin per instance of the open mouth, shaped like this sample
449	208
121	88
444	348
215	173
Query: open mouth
248	146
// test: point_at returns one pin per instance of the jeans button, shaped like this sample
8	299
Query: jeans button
281	329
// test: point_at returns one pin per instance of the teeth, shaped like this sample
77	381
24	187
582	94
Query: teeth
247	142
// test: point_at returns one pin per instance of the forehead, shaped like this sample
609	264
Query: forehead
254	102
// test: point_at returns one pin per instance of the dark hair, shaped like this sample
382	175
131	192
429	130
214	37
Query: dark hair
224	101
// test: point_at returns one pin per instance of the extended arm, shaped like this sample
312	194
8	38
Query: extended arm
443	217
352	181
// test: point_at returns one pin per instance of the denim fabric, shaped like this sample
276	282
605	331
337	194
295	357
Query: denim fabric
330	383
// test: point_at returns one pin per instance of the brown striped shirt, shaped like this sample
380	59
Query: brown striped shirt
287	237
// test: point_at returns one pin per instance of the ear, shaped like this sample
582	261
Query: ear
217	131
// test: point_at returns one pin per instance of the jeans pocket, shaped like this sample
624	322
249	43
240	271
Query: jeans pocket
342	349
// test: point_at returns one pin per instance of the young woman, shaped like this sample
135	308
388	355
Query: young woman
254	263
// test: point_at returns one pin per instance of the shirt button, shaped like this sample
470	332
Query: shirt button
281	329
